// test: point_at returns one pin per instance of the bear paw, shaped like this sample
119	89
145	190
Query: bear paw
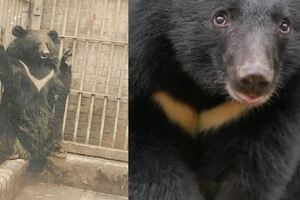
20	151
2	31
67	58
14	156
60	154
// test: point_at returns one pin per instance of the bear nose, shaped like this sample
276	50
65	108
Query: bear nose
45	54
255	81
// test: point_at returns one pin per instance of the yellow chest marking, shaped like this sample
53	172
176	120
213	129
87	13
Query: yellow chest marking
195	122
38	83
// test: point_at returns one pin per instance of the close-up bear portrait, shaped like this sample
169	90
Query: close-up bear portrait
214	100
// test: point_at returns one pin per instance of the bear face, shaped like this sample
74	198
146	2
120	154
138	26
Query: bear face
231	47
34	46
188	60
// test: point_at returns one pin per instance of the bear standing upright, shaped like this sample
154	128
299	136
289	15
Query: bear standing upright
214	100
36	86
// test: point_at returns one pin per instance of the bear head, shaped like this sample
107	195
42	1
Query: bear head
34	46
247	48
243	50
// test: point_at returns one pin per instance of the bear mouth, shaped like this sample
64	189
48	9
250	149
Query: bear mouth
43	57
248	99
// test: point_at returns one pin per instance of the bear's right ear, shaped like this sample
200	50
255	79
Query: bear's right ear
18	31
54	36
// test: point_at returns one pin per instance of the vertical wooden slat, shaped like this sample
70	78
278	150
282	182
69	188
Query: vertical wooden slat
118	13
119	97
91	108
126	139
64	28
4	21
36	14
65	116
77	117
2	30
61	51
18	20
10	20
1	11
20	12
25	13
103	115
120	85
104	17
15	13
53	14
74	44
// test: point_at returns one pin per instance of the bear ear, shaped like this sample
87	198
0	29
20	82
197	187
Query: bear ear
54	36
19	31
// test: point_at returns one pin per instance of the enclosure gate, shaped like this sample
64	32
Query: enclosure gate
96	115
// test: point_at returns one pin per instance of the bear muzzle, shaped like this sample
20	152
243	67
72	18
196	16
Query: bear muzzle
44	53
252	85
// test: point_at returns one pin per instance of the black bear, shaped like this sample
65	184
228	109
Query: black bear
36	86
214	96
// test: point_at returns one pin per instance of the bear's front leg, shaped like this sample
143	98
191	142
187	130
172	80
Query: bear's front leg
254	185
19	151
292	191
262	173
57	98
65	73
157	172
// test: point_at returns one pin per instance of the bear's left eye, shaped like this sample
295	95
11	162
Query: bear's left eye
285	27
221	20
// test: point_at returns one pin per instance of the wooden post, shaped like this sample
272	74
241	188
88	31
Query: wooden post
36	11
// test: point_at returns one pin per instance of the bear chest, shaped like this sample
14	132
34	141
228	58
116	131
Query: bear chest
39	80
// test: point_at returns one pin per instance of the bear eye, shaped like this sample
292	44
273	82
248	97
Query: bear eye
285	27
221	20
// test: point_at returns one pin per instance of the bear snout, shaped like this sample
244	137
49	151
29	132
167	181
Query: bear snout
255	81
44	53
252	85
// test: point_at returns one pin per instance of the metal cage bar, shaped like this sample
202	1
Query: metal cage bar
77	118
103	116
53	14
126	139
74	44
91	108
119	97
64	28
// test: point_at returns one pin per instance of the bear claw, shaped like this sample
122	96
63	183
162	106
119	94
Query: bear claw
13	156
67	57
60	154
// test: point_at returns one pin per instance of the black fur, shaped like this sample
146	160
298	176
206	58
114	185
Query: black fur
29	125
174	47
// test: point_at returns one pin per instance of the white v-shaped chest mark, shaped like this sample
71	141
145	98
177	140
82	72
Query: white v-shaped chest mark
38	83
